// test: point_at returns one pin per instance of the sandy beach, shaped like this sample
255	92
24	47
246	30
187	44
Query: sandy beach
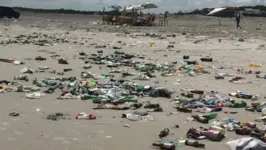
31	130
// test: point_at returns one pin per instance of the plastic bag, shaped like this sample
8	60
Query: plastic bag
246	144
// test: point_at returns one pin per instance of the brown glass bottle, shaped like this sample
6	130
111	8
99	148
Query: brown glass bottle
194	143
164	146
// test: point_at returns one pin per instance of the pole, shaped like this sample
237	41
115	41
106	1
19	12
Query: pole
132	15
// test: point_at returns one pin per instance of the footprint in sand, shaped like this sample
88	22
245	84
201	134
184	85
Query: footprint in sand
4	123
12	139
77	133
101	131
66	142
2	128
19	133
59	138
76	139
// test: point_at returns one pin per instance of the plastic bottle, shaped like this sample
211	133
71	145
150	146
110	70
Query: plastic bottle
249	108
217	109
261	119
228	120
21	77
107	85
180	100
258	135
249	124
254	65
194	143
255	103
213	135
219	105
199	69
230	127
200	119
152	44
164	133
197	91
184	109
85	116
155	110
217	77
188	95
243	131
149	105
263	111
113	65
259	109
216	128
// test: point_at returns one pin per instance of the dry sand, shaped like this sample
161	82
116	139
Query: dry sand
31	131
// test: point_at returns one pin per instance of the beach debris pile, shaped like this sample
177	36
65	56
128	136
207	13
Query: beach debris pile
37	39
123	86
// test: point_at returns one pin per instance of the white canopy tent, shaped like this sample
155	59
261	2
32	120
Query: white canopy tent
128	9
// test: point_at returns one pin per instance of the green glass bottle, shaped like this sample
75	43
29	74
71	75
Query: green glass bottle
87	97
106	75
129	99
238	105
188	68
96	100
181	100
211	116
140	87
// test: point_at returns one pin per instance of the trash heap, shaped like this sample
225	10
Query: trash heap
119	90
37	39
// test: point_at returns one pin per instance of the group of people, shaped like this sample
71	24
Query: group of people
152	17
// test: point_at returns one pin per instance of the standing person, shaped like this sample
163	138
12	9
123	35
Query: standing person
165	15
153	17
238	17
103	14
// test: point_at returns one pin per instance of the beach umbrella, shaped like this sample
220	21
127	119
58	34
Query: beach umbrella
217	10
115	7
129	9
149	5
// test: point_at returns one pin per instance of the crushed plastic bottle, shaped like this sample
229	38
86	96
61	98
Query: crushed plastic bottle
27	70
35	95
85	116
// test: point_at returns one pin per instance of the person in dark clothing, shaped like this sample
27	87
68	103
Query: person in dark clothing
153	17
238	17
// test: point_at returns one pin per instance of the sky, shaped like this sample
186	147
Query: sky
170	5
